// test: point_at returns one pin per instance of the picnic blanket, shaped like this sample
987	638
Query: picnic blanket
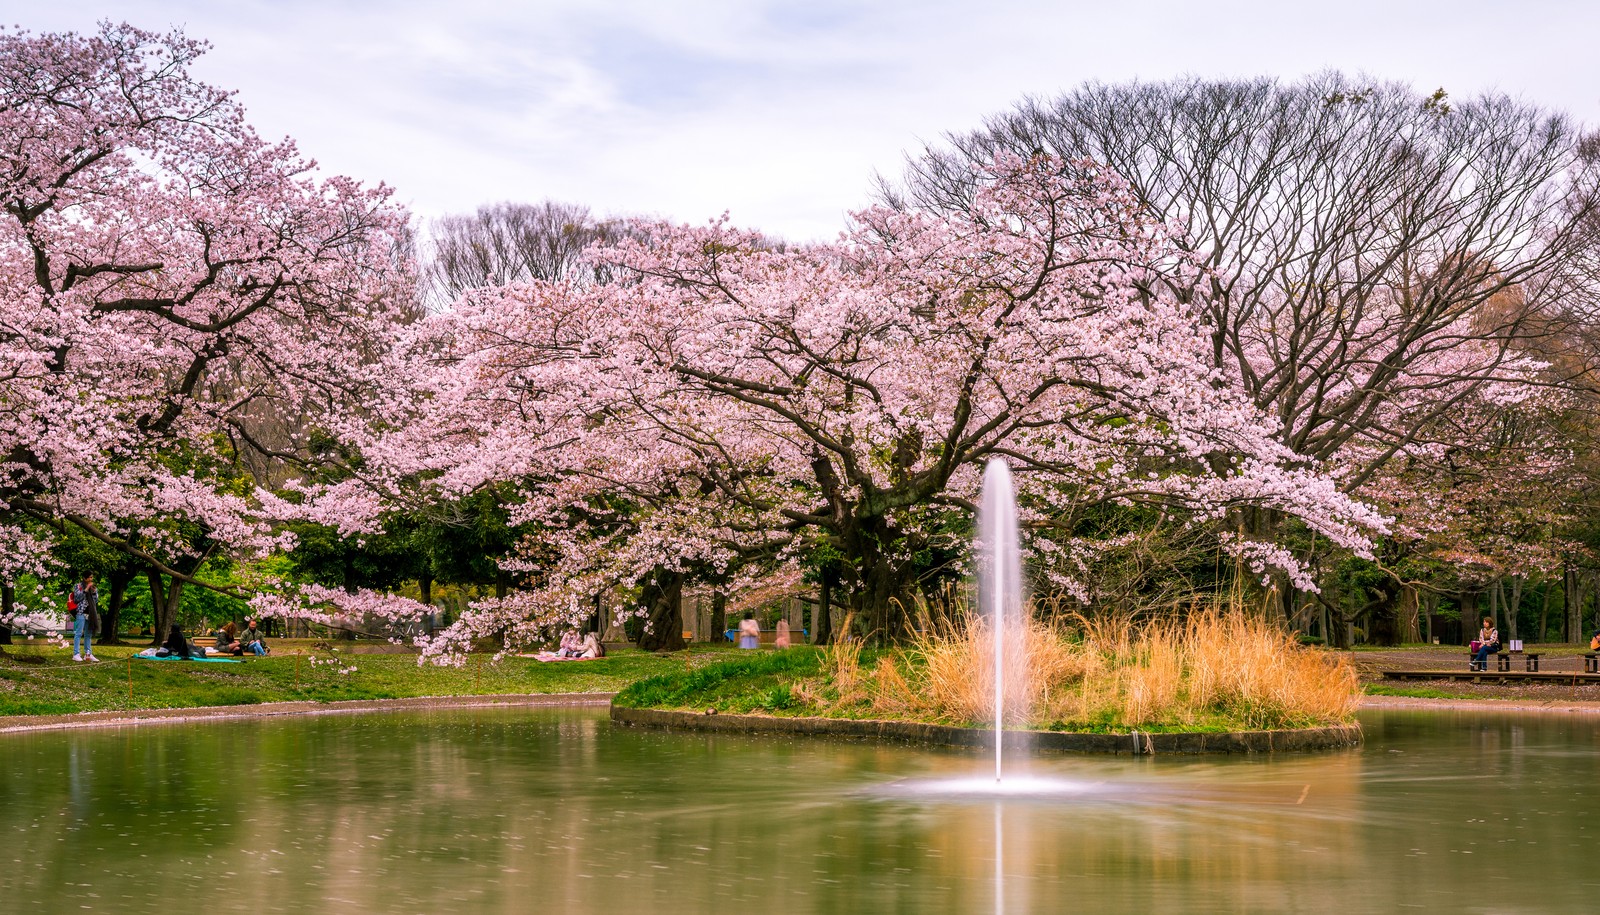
547	656
173	657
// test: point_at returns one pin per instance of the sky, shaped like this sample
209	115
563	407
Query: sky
779	113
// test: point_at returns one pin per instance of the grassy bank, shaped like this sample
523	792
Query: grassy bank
1212	672
43	680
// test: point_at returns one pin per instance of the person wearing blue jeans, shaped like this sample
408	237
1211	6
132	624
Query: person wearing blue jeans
252	639
88	616
1488	644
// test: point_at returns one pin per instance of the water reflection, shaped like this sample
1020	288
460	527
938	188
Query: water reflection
512	810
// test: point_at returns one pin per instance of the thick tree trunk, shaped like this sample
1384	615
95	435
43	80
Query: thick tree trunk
1572	590
719	616
1469	616
8	606
111	619
662	600
822	616
883	593
1383	620
164	603
1410	623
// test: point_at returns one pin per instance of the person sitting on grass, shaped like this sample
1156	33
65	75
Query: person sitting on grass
592	647
176	645
253	640
571	644
1488	644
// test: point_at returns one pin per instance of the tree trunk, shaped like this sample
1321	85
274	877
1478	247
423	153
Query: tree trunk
1511	604
663	600
719	616
348	633
882	595
1383	619
164	603
1469	616
8	606
1572	591
1544	612
1410	624
822	616
425	596
111	619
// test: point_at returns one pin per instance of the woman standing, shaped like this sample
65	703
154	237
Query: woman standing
749	631
84	619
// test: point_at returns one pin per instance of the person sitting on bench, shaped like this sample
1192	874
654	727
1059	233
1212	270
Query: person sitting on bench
253	640
227	642
1487	644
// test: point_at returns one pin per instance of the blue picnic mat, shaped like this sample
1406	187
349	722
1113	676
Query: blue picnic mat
173	657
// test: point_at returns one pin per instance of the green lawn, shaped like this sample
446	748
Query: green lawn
37	679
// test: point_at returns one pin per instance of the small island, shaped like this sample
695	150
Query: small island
1219	681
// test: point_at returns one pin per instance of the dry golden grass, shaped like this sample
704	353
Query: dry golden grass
1220	667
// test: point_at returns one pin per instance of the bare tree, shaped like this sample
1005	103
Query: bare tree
507	243
1376	256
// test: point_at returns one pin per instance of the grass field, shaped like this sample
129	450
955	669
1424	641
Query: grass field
41	679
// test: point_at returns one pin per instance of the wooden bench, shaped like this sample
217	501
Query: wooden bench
769	636
203	642
1530	659
1591	663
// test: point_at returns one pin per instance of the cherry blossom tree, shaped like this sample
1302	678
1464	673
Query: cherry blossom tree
727	407
1375	257
167	279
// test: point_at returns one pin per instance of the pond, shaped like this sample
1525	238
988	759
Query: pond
534	809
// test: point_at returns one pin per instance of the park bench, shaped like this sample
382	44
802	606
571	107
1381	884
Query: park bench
1591	663
210	641
1530	659
768	636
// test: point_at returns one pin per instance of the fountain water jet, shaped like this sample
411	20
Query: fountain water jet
1000	593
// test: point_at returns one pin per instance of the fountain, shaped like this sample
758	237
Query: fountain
1000	594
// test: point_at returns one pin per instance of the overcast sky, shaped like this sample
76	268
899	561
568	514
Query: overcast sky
779	112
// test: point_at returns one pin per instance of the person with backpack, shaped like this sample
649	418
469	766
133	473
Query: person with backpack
84	605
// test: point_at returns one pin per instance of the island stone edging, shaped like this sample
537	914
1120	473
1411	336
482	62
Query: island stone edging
1138	743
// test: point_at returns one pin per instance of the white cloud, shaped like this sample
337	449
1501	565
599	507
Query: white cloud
779	112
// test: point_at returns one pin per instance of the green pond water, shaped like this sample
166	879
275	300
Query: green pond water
538	810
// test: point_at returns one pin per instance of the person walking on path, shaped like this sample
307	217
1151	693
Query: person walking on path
85	620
